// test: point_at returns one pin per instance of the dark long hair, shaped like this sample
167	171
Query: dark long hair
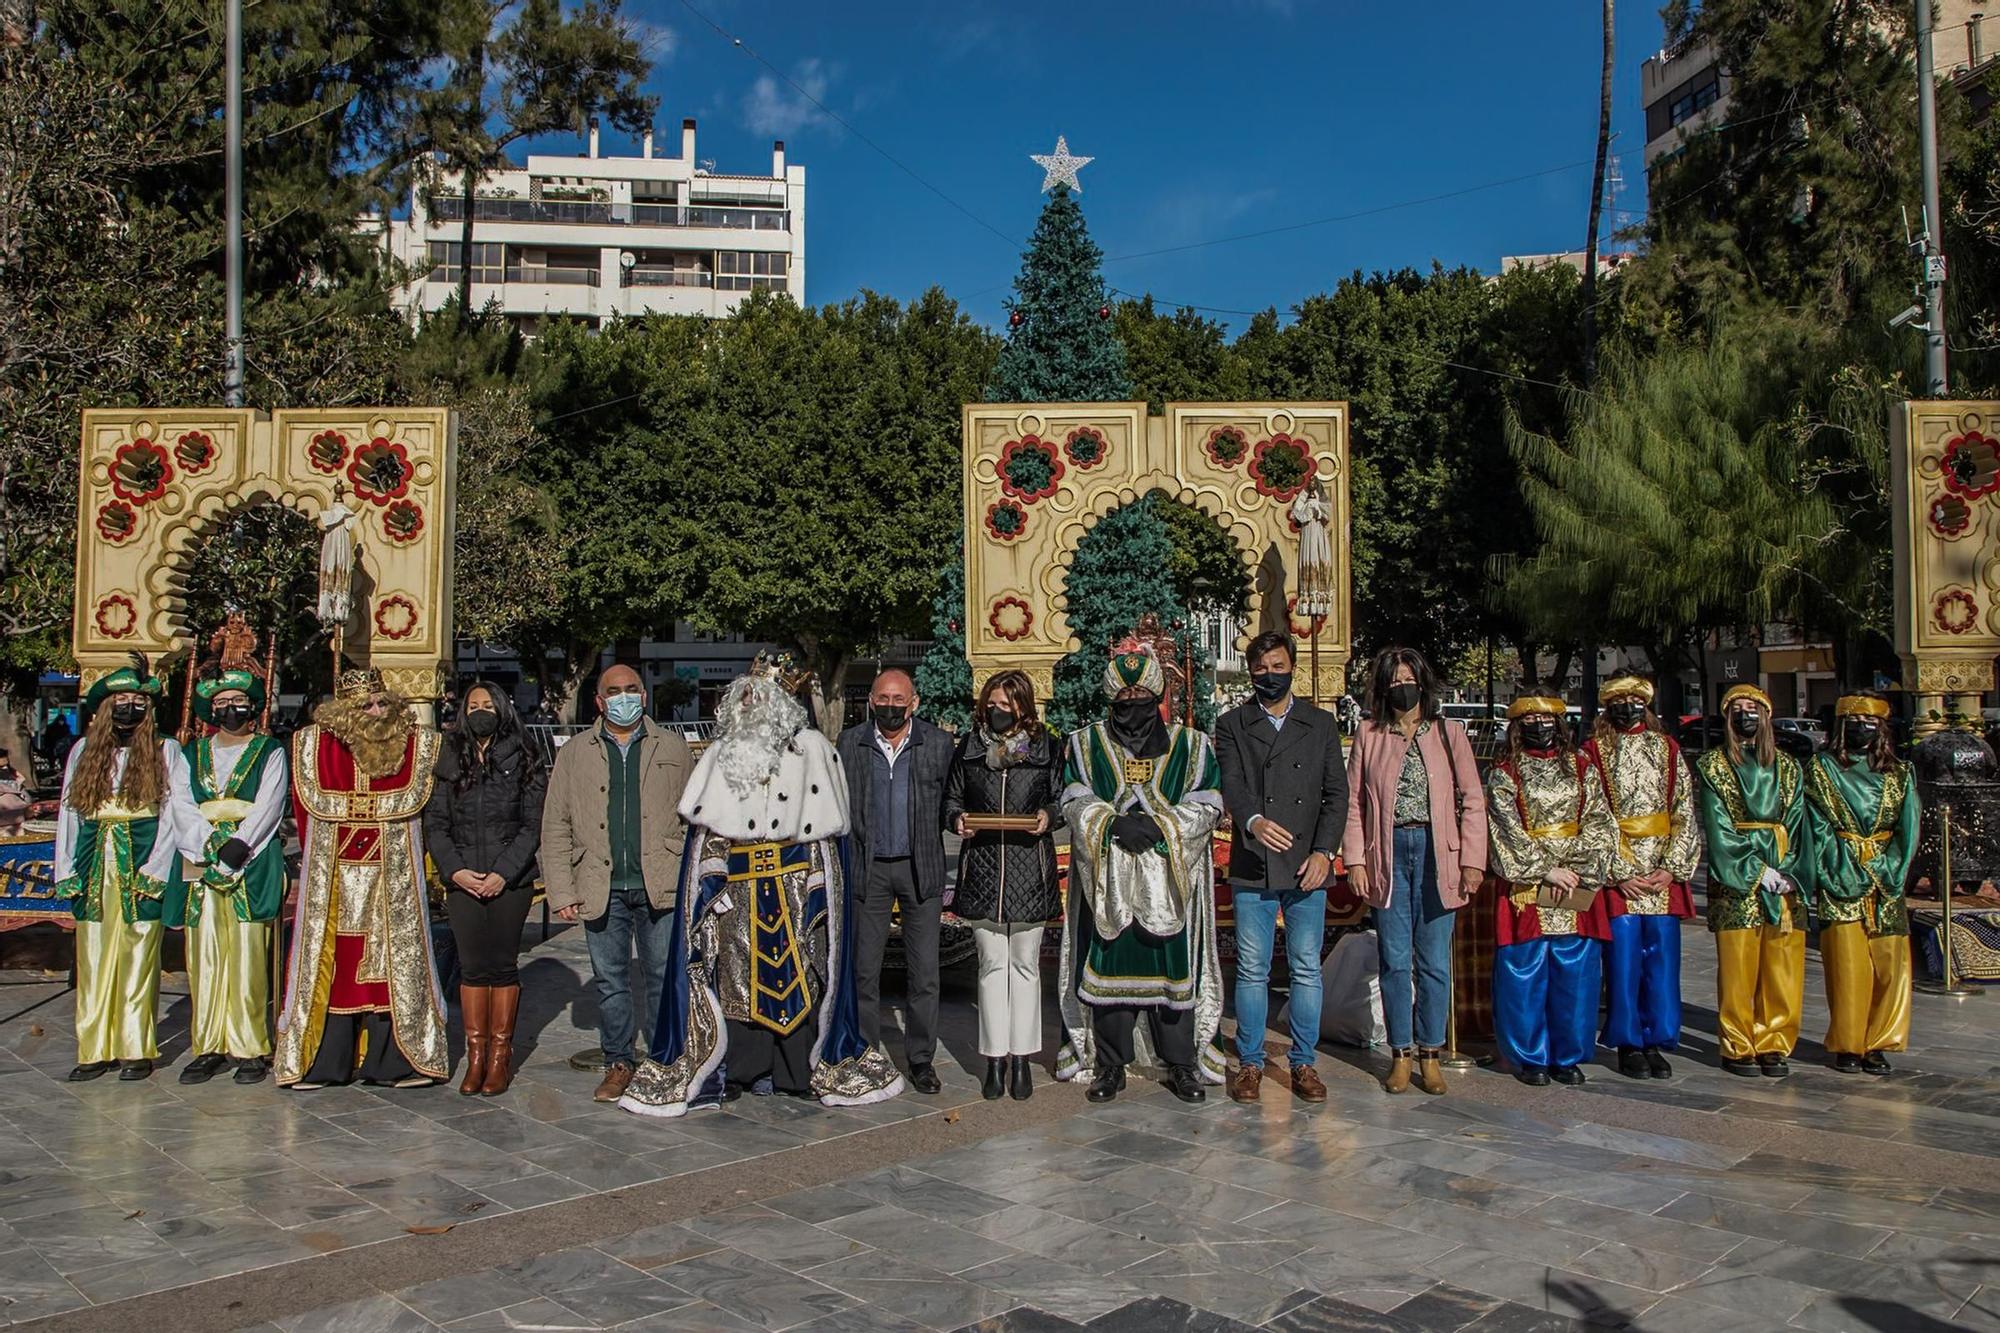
465	746
1384	671
1018	692
1565	743
1881	755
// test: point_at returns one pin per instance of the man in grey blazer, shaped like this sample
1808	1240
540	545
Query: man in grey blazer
897	766
1285	786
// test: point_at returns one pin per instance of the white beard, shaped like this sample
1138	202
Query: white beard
758	720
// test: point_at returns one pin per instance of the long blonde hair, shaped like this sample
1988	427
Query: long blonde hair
145	781
1767	744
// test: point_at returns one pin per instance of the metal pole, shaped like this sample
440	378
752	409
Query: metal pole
1936	380
1948	986
232	190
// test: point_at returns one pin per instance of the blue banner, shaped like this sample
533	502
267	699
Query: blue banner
27	875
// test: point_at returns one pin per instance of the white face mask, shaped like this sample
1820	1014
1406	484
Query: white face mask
624	709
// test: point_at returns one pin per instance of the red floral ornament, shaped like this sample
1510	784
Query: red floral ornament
327	451
1010	618
116	522
196	452
1029	468
1085	447
1282	466
1955	611
381	470
1301	629
116	616
396	617
402	521
1949	516
1225	446
140	472
1006	520
1972	465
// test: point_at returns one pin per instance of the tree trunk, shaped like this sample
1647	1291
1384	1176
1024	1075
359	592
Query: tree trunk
465	248
1597	203
469	180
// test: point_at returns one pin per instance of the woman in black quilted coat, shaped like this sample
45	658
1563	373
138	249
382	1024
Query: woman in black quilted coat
1007	764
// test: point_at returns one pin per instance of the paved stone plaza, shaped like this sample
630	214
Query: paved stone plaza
1707	1203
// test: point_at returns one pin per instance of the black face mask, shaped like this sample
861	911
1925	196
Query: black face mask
1271	686
1404	697
1000	721
1132	720
1860	737
889	717
127	717
1625	714
1539	735
482	723
234	717
1745	724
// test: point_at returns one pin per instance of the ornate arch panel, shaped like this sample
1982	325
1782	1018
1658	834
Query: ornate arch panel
155	480
1037	476
1944	476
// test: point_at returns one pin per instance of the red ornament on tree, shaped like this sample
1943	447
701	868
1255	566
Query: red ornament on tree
1016	320
1104	312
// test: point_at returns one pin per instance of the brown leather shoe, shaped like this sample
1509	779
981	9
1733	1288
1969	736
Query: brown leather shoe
1399	1073
473	1008
613	1086
1243	1084
501	1009
1430	1073
1306	1084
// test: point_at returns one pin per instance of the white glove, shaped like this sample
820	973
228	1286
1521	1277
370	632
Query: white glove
1776	882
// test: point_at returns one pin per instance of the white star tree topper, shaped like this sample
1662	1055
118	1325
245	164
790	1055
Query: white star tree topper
1060	167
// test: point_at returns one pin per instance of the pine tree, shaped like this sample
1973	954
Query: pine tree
1061	347
1122	571
944	677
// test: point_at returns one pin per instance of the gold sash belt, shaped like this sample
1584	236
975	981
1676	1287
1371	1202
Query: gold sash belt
1778	834
225	809
1569	830
1659	824
1867	846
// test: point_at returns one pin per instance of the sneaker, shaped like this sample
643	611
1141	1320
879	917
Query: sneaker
1245	1083
1307	1085
616	1076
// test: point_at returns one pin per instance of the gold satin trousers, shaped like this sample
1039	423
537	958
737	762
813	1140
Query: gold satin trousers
117	988
1760	982
1867	988
229	976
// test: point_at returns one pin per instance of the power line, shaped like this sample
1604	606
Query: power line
844	123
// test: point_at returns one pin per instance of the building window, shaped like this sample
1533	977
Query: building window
489	261
740	270
1692	102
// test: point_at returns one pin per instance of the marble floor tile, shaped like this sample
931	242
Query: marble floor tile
464	1296
1835	1237
538	1314
563	1271
378	1314
1330	1314
655	1247
1159	1314
1444	1308
31	1288
1542	1287
1507	1235
1057	1288
914	1192
821	1204
616	1304
1659	1234
1083	1245
926	1296
759	1294
775	1238
916	1239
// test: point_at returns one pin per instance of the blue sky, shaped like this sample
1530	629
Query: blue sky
1206	120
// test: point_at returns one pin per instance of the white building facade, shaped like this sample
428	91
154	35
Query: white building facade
595	237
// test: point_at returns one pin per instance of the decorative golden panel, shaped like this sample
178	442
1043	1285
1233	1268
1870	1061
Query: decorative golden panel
156	480
1037	476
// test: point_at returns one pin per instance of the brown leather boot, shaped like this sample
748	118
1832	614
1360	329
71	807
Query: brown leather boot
1430	1073
505	1005
474	1003
1243	1084
1399	1072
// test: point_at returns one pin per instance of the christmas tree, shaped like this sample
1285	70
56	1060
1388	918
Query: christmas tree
944	677
1060	343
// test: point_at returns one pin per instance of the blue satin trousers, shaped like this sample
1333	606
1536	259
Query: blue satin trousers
1545	994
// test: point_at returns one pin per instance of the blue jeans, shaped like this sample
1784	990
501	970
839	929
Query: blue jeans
1256	929
1413	941
626	997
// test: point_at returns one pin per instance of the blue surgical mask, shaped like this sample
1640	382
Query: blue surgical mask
624	709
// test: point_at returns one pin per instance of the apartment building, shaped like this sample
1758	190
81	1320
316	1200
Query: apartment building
595	237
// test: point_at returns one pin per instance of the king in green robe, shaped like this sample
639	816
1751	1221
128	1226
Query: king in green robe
1864	818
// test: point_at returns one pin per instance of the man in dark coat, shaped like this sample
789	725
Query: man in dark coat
897	766
1285	786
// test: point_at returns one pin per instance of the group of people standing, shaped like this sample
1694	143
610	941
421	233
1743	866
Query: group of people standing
738	909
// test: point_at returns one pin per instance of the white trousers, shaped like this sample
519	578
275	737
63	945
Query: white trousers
1010	988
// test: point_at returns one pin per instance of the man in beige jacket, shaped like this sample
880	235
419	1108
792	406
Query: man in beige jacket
612	837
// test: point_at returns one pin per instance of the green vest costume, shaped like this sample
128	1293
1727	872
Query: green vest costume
260	892
1755	817
1864	836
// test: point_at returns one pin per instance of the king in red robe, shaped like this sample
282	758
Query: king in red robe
362	997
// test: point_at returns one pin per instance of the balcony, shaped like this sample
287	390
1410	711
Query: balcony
667	277
548	275
568	213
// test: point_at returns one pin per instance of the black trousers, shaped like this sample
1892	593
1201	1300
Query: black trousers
891	884
755	1051
335	1062
488	934
1172	1032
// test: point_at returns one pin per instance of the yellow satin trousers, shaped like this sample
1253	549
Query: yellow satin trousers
1867	988
229	976
117	988
1760	982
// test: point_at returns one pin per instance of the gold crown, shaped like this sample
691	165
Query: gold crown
791	677
358	683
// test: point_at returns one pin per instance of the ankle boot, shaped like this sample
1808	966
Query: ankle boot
506	1003
1399	1072
1022	1085
474	1003
995	1086
1430	1070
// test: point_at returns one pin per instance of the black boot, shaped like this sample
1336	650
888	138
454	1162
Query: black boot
1110	1081
1632	1062
1183	1082
1022	1085
995	1085
1656	1063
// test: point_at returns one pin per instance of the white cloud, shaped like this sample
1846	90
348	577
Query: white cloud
657	42
775	107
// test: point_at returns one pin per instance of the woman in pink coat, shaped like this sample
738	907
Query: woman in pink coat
1415	851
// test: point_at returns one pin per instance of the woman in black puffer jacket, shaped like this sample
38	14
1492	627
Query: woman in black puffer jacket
482	827
1008	764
